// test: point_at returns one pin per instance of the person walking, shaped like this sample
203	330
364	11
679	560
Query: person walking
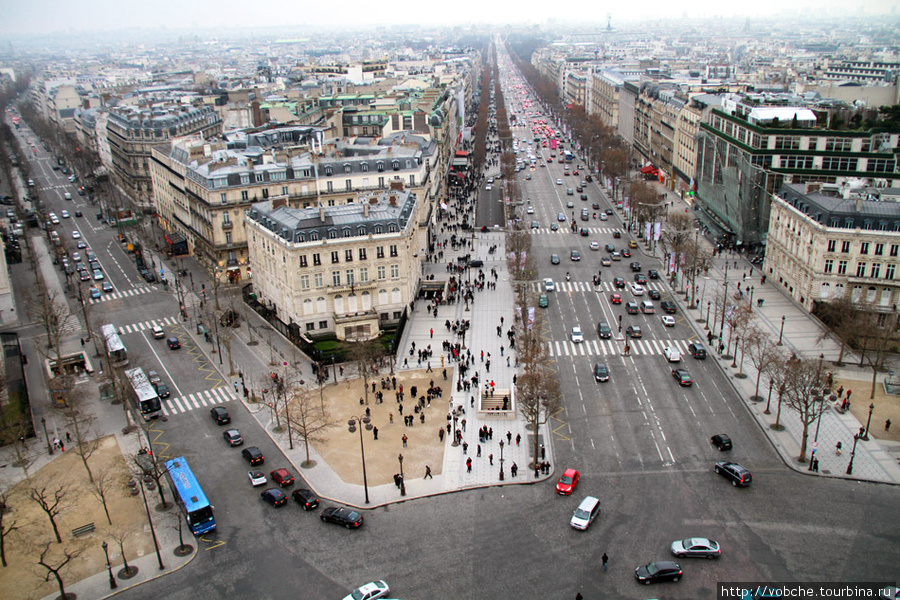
428	473
518	438
404	441
375	432
469	465
605	560
887	425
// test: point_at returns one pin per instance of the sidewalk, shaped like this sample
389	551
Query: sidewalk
803	335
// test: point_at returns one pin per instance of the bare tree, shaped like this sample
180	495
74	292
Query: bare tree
367	355
100	487
844	319
51	502
120	534
52	313
7	525
308	421
764	356
878	342
677	239
150	464
81	422
537	388
804	395
56	570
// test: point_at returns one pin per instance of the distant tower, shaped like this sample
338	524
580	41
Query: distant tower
609	21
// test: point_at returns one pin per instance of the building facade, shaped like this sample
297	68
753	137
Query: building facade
346	270
835	244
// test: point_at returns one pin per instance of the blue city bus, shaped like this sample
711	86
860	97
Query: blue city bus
197	510
568	156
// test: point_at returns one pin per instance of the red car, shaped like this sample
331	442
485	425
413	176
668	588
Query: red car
282	477
566	484
616	299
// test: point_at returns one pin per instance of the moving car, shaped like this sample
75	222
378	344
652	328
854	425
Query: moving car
95	293
253	455
274	496
640	278
668	307
162	390
370	591
561	217
603	330
342	516
567	482
664	570
601	372
153	377
282	477
672	354
577	336
667	321
633	331
158	332
637	289
631	308
610	248
619	282
257	477
605	261
548	285
220	415
654	294
697	350
595	245
652	273
696	548
632	244
635	267
107	287
305	498
174	343
721	441
683	377
543	301
575	255
233	437
558	181
740	476
584	515
615	298
554	259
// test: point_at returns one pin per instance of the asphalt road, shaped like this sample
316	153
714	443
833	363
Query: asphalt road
640	442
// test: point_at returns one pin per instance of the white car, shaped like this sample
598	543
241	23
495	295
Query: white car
370	591
64	214
595	245
54	219
577	336
667	320
530	210
257	477
559	182
76	235
548	285
672	354
637	289
603	216
488	187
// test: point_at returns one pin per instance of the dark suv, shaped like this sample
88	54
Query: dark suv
721	441
697	350
603	330
220	415
739	476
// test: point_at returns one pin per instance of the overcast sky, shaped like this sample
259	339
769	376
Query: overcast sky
28	17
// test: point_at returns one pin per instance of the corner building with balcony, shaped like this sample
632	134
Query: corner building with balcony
827	243
348	270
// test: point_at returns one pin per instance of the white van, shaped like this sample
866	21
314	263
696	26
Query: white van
585	514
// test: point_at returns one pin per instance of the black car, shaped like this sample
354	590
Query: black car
584	232
683	377
162	390
640	278
603	330
610	248
635	266
253	455
668	307
148	275
609	211
664	570
274	496
619	282
174	343
595	206
652	273
342	516
305	498
697	350
632	308
584	197
601	372
654	294
477	264
739	476
233	437
220	415
633	331
721	441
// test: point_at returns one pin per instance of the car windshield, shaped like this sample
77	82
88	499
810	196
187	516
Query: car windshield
581	514
565	479
653	568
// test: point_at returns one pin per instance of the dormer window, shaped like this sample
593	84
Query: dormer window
395	165
328	171
380	166
365	167
346	167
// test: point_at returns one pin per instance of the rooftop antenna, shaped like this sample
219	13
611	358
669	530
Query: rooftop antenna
609	21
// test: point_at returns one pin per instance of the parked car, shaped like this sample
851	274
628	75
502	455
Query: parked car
370	591
274	496
174	343
253	455
257	477
282	477
305	498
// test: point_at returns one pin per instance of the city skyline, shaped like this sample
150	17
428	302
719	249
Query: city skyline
43	17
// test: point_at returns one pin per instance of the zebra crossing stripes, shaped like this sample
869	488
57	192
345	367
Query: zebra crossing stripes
143	289
587	286
145	325
639	347
205	398
567	230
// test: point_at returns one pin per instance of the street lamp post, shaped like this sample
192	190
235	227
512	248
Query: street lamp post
501	460
454	441
737	341
47	436
708	306
362	449
865	436
751	296
112	580
781	334
853	452
402	480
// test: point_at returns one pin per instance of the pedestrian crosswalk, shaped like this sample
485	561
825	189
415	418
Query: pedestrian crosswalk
565	228
145	325
141	289
206	398
639	347
587	286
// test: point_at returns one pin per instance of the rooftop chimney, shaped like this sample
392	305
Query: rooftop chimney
322	213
